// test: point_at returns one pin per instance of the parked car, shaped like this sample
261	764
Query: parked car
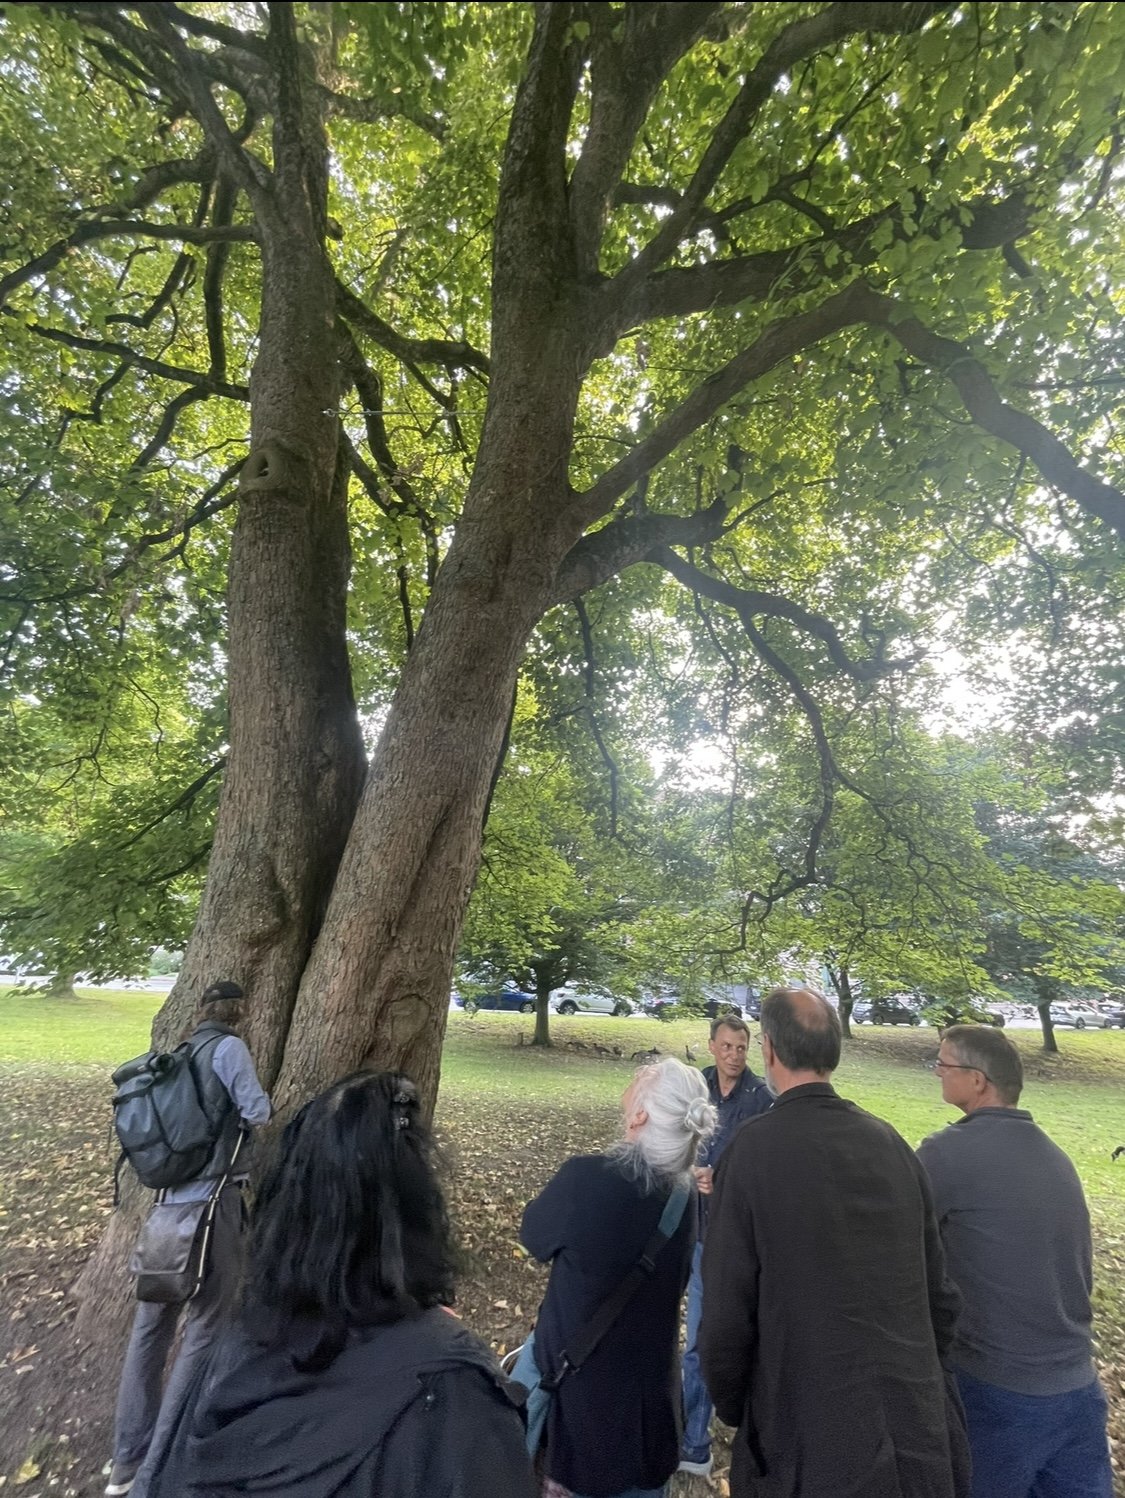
893	1010
568	1000
1113	1014
514	1000
1071	1014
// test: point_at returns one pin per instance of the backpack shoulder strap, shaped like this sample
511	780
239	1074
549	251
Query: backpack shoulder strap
607	1313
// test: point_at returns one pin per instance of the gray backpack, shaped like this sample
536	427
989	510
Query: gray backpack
161	1117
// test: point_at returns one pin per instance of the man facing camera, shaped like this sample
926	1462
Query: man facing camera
826	1308
1017	1236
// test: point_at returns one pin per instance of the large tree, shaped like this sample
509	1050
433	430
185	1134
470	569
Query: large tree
806	311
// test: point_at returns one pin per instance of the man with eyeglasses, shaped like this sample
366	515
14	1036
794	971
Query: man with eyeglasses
1016	1230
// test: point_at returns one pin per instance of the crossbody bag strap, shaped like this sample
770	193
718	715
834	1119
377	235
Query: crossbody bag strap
609	1310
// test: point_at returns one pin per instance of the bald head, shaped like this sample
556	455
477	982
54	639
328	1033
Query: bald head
803	1028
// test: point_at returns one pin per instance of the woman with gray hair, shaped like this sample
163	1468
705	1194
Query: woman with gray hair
613	1429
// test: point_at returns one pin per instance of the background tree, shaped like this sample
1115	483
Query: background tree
806	312
1055	928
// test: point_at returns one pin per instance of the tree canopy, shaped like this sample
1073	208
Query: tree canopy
713	365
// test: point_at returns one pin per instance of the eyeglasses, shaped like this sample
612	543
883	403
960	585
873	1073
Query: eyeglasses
939	1065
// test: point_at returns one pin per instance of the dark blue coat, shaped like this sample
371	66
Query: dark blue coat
615	1424
747	1099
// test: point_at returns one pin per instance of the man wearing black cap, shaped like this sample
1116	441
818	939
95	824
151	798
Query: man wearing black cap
232	1095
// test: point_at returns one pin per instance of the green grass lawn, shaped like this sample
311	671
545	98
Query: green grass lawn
1078	1097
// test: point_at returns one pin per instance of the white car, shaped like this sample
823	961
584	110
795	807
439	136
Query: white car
570	1000
1070	1014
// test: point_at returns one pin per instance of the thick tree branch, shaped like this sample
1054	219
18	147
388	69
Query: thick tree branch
681	290
625	72
778	341
229	36
374	111
603	554
190	76
217	256
975	387
116	228
408	350
167	426
179	275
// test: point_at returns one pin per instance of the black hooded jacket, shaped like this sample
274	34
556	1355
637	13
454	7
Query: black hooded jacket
415	1408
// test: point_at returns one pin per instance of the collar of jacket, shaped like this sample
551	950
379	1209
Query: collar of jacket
805	1090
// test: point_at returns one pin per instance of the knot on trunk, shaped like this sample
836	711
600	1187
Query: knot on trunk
269	467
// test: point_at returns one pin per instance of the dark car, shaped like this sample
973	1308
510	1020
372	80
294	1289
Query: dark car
1114	1015
888	1011
512	999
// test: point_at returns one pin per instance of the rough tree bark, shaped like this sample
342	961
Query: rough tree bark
296	763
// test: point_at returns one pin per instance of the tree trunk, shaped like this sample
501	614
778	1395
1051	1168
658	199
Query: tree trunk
841	982
542	1034
1050	1044
61	986
376	988
296	765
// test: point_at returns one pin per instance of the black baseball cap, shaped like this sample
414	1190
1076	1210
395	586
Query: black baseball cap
224	990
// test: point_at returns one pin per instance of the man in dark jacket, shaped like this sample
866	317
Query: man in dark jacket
737	1095
827	1307
233	1096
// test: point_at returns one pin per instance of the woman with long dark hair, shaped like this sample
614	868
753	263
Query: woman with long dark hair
613	1427
346	1376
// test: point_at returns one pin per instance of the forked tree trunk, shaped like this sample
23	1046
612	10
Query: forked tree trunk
295	765
375	990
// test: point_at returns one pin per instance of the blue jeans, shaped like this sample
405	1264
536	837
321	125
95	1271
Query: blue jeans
1037	1445
696	1444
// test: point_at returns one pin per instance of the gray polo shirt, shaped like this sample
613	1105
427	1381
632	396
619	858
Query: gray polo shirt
1017	1237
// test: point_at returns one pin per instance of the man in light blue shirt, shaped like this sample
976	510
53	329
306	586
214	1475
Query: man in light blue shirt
231	1093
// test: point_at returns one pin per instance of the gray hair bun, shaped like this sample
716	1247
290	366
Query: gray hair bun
700	1116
